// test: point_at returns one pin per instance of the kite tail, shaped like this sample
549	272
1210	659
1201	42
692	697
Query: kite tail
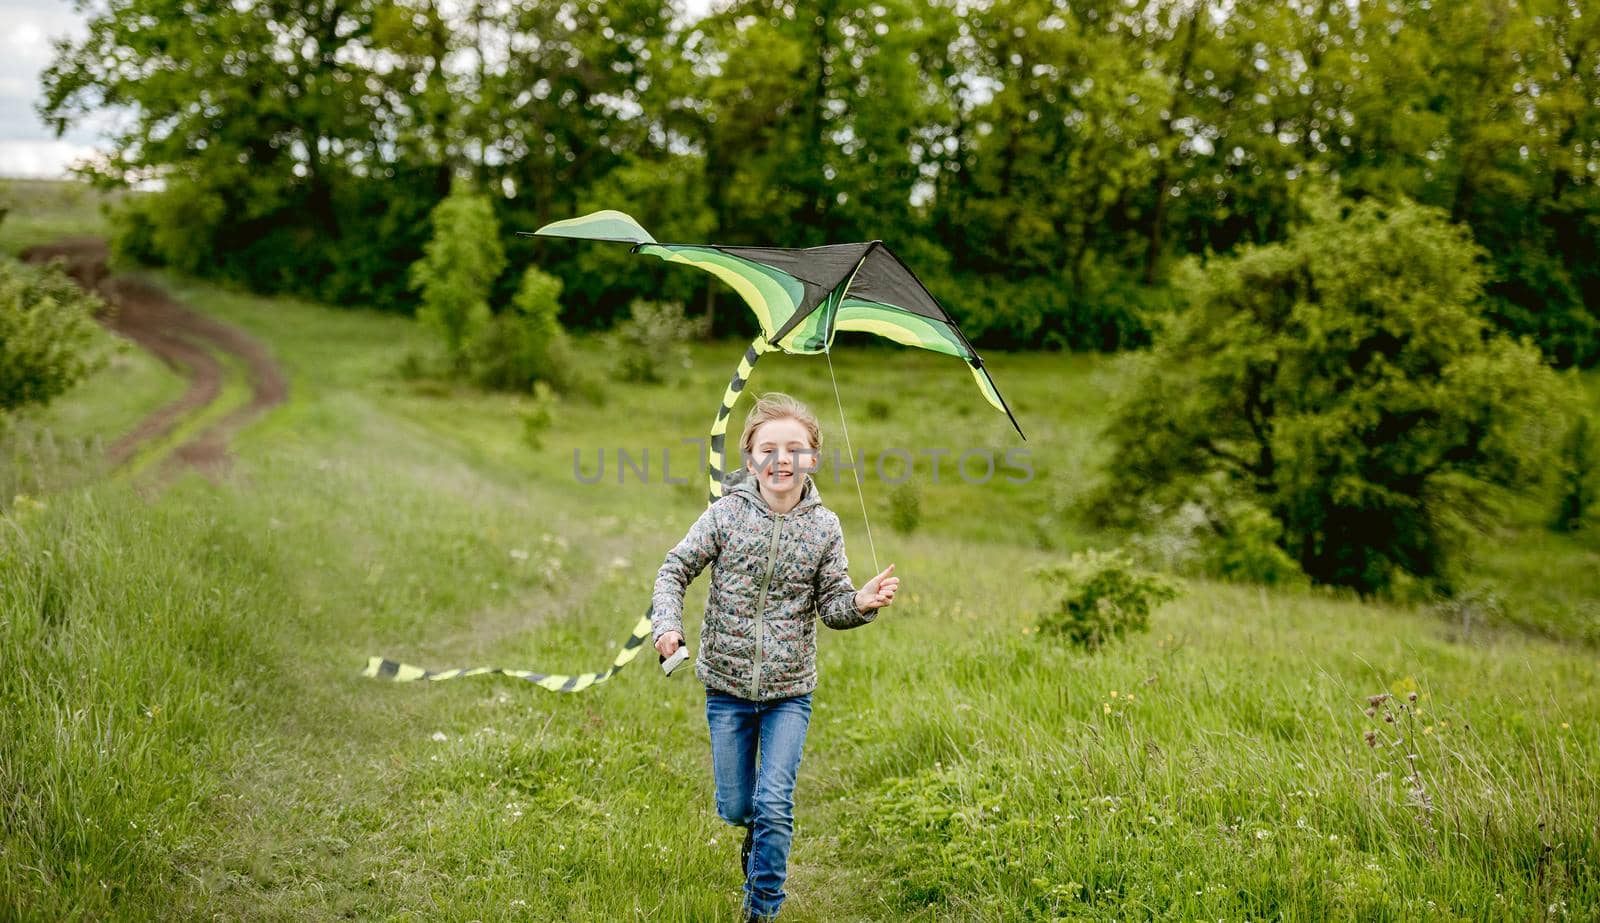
382	668
719	427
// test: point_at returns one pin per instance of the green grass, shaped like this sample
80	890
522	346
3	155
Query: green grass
184	731
64	443
44	211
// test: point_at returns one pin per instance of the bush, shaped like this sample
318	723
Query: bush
1576	475
458	267
414	366
46	334
538	417
1345	382
1105	597
653	343
526	343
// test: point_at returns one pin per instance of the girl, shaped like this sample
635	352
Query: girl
780	563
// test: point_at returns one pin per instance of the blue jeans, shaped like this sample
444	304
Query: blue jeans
759	798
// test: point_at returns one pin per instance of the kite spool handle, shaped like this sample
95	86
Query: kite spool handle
668	664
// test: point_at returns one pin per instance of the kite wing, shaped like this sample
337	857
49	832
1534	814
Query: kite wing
801	297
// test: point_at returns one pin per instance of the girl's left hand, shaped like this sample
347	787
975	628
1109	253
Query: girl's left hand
878	592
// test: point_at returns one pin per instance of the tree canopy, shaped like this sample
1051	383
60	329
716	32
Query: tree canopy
1044	164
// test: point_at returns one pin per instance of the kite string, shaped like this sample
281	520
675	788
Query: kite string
854	468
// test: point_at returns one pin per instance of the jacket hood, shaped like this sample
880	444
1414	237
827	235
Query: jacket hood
741	483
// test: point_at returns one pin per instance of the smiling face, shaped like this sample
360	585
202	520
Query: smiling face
781	454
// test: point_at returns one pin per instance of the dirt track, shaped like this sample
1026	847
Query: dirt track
183	340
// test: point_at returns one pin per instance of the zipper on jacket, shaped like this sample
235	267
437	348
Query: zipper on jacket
761	604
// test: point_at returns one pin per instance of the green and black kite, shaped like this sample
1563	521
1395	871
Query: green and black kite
802	297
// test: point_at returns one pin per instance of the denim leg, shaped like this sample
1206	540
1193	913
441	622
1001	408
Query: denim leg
783	737
734	734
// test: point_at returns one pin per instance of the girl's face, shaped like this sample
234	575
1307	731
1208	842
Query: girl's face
781	454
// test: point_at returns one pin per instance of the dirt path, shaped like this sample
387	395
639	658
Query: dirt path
184	340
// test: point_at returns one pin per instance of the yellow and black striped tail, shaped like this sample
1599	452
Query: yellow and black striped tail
717	463
382	668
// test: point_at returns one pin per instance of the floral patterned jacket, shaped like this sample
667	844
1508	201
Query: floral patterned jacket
772	576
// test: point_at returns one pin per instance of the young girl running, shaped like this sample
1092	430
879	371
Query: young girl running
780	564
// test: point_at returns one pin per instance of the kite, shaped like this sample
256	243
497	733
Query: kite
801	298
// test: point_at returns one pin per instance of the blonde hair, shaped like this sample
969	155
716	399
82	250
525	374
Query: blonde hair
775	405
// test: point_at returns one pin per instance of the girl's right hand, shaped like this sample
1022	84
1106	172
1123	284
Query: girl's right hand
669	642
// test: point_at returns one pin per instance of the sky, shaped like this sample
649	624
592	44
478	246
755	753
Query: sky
27	147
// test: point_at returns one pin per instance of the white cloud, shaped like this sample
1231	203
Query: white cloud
41	158
27	146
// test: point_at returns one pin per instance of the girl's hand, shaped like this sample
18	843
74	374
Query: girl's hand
878	592
668	643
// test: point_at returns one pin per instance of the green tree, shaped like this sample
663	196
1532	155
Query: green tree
563	100
297	143
808	124
1062	125
458	267
1344	381
1043	163
1480	109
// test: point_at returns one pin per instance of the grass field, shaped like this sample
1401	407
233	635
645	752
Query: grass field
185	733
43	211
